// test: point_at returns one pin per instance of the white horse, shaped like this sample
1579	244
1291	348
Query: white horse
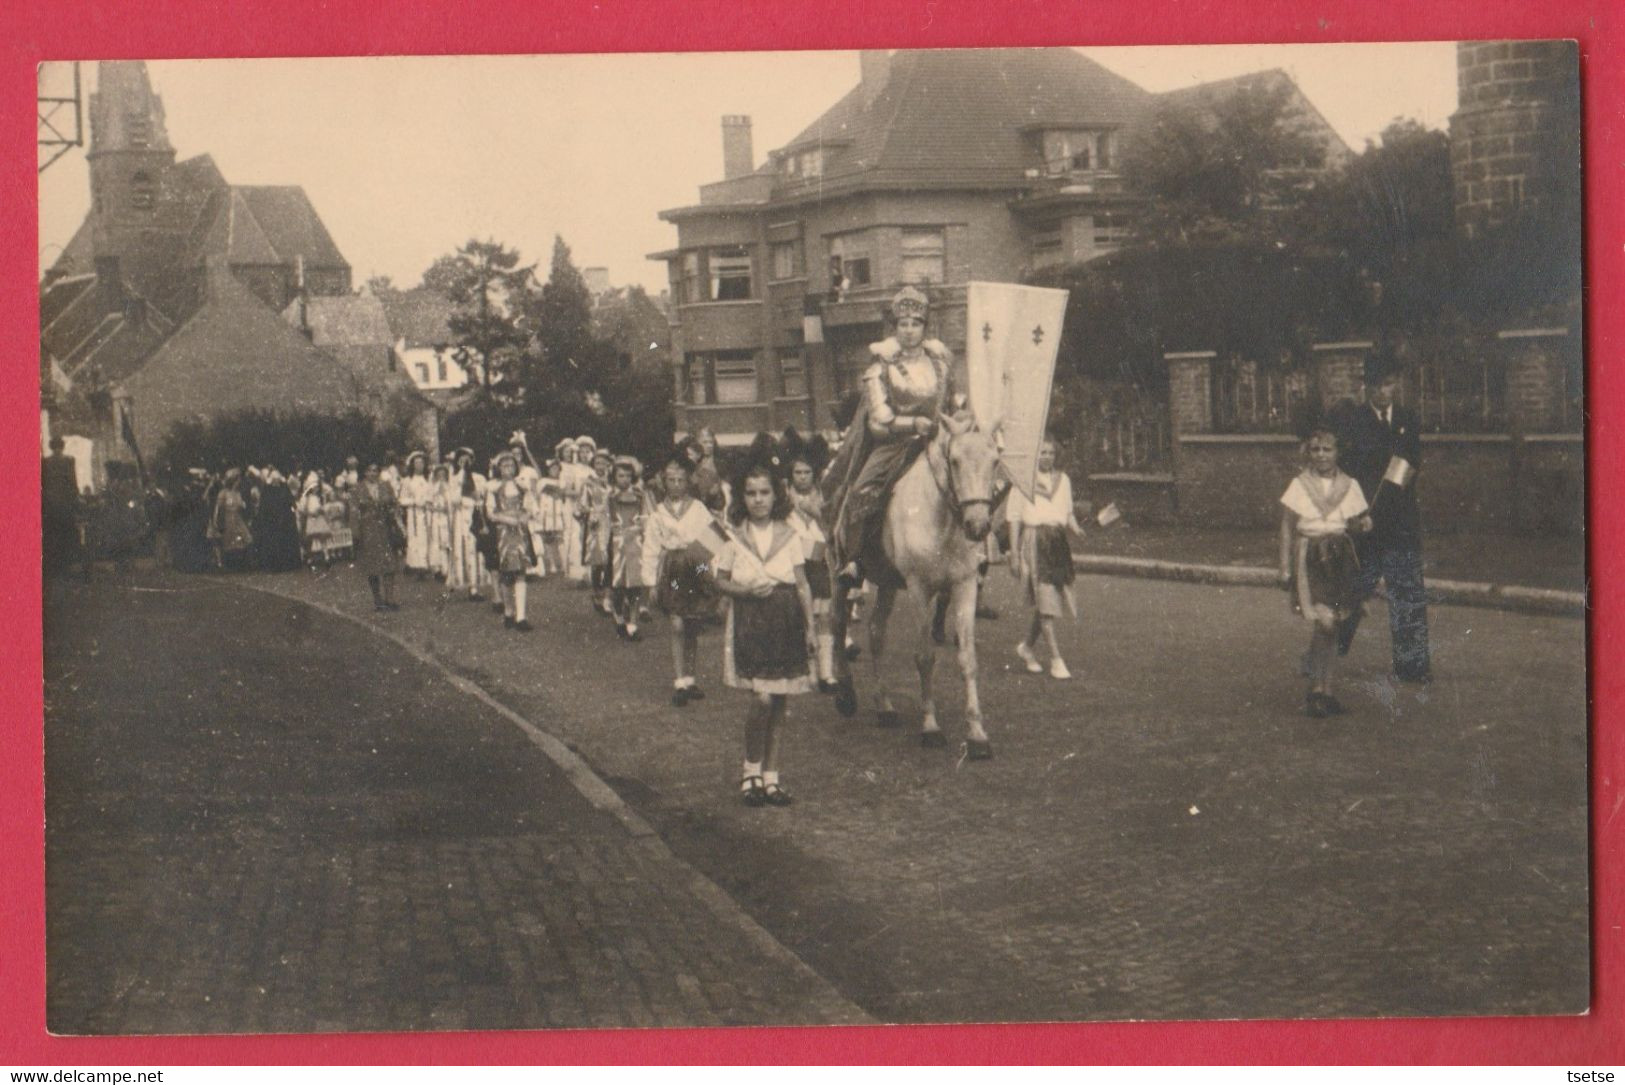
936	520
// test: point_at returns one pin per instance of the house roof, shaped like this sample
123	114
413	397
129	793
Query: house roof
958	116
1215	90
420	317
344	320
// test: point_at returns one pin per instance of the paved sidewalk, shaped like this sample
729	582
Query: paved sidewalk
264	819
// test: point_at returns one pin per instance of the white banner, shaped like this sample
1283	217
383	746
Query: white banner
1011	335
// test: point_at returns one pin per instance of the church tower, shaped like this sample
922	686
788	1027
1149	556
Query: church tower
130	158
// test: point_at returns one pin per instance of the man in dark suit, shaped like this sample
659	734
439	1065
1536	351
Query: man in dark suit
1380	444
59	514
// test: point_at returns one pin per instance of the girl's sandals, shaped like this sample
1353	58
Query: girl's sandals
775	795
751	791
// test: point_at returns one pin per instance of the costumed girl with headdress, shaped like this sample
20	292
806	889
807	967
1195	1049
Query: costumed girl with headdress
594	515
625	510
769	645
905	389
414	496
507	507
804	460
579	478
314	527
680	542
1041	557
552	517
1319	510
467	572
440	500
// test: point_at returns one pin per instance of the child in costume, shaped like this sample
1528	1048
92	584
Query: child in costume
1041	557
680	544
624	515
1319	510
769	644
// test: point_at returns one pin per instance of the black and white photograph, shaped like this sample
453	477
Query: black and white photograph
813	538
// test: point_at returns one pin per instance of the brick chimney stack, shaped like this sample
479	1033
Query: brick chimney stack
875	67
738	159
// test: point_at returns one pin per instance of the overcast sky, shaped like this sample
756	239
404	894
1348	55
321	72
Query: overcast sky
406	158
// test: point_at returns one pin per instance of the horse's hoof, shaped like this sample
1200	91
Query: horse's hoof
978	751
846	699
933	740
888	718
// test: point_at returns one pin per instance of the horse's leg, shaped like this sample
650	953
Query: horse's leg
925	661
885	597
846	696
977	746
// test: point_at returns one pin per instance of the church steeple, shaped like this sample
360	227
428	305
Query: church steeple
130	154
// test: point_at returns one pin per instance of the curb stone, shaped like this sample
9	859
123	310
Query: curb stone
1453	592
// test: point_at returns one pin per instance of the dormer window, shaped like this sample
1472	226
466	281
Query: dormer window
143	191
802	164
1069	150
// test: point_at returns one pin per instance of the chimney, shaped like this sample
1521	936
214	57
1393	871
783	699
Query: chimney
875	68
737	157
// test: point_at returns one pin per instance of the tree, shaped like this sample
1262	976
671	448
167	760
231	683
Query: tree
380	286
570	360
1211	165
638	330
489	286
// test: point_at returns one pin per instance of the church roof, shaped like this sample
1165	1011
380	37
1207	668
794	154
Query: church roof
343	320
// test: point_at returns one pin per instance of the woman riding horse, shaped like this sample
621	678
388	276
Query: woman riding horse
905	389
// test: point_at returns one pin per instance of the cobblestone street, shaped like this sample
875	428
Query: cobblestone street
1165	836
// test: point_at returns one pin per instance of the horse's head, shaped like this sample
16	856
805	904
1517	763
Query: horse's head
971	457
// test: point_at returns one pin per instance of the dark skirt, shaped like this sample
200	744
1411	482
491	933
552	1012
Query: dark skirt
682	589
1325	574
770	636
818	579
1054	556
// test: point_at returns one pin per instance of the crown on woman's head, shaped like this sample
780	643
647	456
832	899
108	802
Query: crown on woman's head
910	301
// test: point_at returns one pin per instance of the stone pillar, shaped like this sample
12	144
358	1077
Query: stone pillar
1190	390
1339	371
1534	360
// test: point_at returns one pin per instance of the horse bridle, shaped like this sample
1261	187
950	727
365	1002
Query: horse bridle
952	489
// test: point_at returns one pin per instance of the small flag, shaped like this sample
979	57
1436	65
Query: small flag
710	543
1108	515
1400	472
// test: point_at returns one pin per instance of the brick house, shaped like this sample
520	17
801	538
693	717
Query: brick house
165	304
940	167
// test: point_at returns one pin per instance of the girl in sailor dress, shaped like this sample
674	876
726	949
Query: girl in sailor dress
624	515
807	520
769	644
1041	557
681	540
1319	510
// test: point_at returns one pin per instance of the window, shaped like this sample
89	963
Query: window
423	372
1111	229
730	274
804	163
793	373
786	259
922	256
689	278
1069	150
138	127
849	261
1047	242
440	361
726	376
143	193
736	377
